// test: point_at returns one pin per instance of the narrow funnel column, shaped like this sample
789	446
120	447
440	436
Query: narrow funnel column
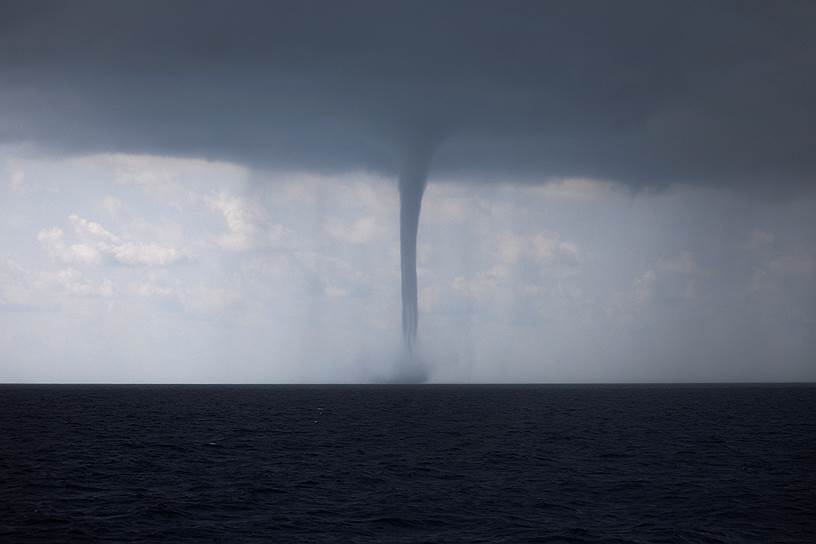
413	177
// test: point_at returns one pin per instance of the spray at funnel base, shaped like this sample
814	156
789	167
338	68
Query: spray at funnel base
413	177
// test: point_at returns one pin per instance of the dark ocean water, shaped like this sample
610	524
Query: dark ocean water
408	463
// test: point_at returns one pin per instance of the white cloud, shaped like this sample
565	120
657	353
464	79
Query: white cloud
72	282
52	240
248	225
89	230
81	254
138	254
22	288
98	244
548	245
244	222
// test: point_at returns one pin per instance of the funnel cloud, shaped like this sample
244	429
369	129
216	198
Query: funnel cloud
413	177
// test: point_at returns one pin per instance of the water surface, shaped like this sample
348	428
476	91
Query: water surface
408	463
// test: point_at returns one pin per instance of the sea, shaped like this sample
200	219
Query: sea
408	463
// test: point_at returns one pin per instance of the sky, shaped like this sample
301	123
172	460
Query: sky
198	192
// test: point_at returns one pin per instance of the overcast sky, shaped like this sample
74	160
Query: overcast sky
204	192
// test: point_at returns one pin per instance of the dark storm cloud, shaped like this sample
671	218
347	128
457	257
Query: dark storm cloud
638	92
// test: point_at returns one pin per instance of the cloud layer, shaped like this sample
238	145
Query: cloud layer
642	93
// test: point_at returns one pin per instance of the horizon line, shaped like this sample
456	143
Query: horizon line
374	384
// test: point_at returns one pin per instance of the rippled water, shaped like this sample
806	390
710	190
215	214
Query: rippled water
408	463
